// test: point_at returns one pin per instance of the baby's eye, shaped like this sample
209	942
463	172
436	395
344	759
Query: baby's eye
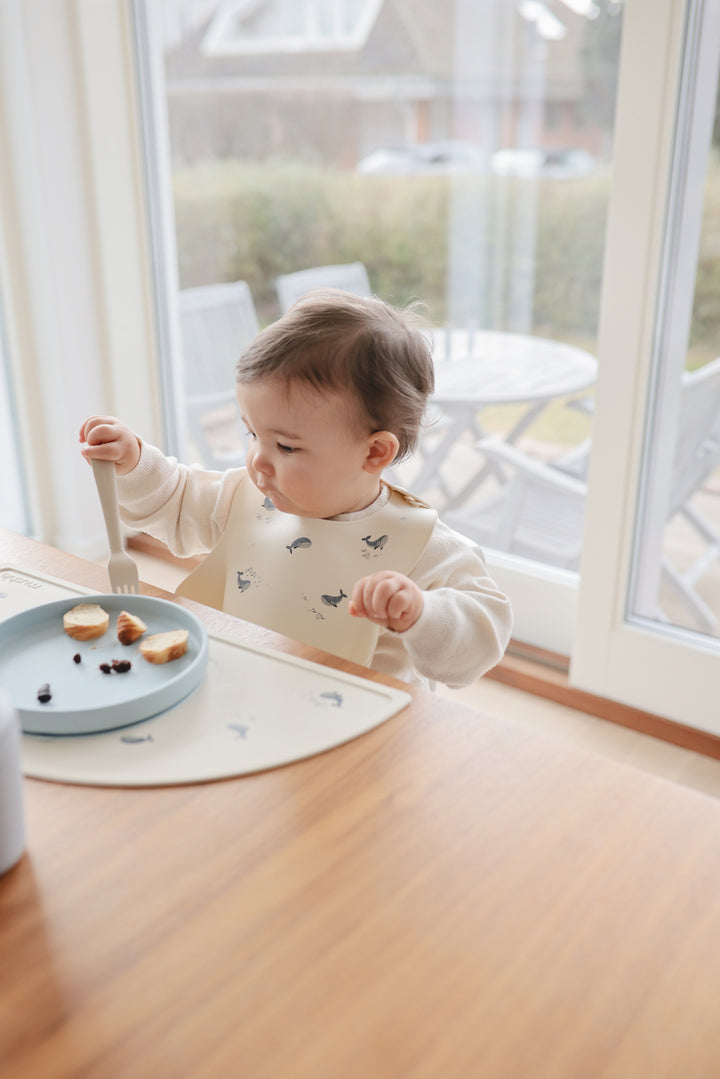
286	449
250	433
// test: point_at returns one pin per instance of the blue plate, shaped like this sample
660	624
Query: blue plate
34	650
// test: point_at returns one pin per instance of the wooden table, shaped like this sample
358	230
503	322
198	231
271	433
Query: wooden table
447	896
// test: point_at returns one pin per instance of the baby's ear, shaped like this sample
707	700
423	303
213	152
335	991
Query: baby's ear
382	451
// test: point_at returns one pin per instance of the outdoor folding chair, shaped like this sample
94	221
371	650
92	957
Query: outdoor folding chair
349	276
216	322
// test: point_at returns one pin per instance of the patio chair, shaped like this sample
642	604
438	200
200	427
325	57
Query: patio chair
349	276
539	512
216	322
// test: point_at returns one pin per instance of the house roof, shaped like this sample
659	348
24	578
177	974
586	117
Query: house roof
409	41
389	49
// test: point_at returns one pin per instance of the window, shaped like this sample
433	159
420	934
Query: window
644	636
267	188
461	153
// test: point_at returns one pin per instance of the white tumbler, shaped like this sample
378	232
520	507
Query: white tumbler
12	816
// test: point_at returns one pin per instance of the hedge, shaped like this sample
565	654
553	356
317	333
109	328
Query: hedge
522	255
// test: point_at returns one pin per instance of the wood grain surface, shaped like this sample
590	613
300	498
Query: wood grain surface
446	896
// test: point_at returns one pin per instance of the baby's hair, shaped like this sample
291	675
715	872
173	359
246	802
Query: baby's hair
335	340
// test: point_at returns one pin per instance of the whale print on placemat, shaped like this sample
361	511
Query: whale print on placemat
330	698
239	730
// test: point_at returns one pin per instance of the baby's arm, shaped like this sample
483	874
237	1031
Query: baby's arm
184	506
465	621
387	598
109	439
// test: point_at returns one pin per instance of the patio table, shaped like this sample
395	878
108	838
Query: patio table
477	369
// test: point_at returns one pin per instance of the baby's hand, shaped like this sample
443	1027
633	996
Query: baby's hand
388	599
109	439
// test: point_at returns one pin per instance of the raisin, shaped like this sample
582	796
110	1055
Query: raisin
44	694
121	665
77	658
105	668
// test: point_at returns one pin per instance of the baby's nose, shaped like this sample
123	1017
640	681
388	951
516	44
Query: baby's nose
262	462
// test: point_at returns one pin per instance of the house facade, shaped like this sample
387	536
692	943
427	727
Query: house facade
332	83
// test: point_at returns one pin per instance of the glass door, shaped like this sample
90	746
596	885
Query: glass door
460	152
650	600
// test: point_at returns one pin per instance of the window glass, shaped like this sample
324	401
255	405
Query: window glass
461	153
676	575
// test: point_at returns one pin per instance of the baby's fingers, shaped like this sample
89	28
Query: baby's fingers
99	429
357	599
372	595
389	599
369	599
399	603
106	438
95	421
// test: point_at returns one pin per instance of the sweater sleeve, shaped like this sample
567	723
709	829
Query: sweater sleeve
185	506
466	621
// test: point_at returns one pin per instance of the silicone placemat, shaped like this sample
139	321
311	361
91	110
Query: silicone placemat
255	709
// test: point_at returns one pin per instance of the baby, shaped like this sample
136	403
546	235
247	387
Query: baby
308	538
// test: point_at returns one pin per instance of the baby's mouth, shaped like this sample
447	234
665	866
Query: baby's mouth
269	492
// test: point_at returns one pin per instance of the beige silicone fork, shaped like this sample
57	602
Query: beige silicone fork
122	570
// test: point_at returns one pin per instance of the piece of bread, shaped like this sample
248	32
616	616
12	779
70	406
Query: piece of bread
86	621
162	647
129	627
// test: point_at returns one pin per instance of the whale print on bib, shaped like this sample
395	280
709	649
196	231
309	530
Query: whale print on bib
334	601
375	544
300	544
247	578
294	575
373	547
265	510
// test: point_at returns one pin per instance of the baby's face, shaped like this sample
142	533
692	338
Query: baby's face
305	453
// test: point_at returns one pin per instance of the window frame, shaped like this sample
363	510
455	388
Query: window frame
671	672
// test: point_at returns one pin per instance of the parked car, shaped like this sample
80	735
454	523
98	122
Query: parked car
448	156
559	163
